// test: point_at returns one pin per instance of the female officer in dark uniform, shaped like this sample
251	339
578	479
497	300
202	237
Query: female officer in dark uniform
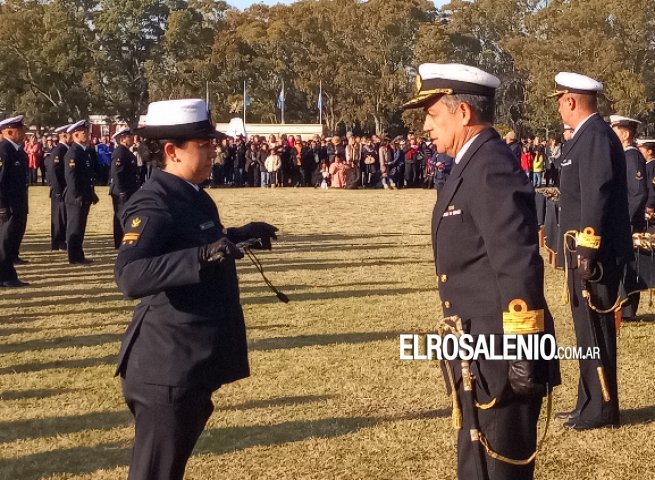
187	336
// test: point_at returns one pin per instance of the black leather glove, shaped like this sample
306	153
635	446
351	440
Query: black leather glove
588	268
5	215
94	199
219	251
522	381
58	196
261	230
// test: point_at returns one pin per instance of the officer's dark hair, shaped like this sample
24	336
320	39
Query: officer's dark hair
483	107
156	150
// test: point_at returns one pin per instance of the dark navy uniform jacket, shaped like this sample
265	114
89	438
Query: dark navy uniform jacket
637	188
13	177
485	239
79	176
123	171
188	330
600	201
54	167
650	180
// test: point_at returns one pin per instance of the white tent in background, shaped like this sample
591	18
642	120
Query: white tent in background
235	128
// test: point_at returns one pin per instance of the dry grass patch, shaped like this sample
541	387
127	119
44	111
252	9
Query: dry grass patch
328	396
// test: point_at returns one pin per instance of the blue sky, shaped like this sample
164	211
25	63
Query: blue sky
246	3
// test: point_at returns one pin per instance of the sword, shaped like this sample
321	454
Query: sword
600	368
454	325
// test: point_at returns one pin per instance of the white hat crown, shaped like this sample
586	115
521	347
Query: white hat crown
177	112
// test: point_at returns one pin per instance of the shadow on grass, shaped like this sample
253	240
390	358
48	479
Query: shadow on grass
638	416
9	395
275	402
53	426
267	297
217	441
61	342
68	363
279	343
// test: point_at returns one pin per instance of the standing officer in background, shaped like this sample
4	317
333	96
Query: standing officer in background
54	167
486	248
124	178
79	194
187	336
594	204
626	129
13	199
647	149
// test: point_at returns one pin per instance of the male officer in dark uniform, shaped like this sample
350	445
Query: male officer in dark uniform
626	129
647	149
187	336
54	167
594	204
124	176
484	234
13	199
79	194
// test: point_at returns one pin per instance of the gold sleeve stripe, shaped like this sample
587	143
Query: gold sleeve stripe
518	320
588	239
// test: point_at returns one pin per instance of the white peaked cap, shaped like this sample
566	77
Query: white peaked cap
569	82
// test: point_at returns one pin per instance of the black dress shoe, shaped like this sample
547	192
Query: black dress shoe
14	284
20	261
581	425
567	415
84	261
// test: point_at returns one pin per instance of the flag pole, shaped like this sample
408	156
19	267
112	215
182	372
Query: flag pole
320	96
244	102
284	100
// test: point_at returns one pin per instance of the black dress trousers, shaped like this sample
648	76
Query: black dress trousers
168	422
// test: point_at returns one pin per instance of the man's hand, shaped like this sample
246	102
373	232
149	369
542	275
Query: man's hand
94	199
588	268
219	251
262	230
521	379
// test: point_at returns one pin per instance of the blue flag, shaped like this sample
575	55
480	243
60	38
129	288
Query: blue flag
281	98
319	104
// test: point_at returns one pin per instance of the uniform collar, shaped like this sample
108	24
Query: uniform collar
16	146
464	148
577	129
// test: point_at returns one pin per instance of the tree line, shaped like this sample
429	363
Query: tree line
64	59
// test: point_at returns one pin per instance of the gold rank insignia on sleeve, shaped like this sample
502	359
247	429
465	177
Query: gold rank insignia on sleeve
135	226
519	320
71	163
56	160
587	238
639	176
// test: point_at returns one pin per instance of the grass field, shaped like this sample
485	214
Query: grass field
328	396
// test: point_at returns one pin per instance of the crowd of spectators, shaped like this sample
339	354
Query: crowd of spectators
321	162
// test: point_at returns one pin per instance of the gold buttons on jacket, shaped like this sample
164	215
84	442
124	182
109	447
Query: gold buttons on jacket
447	304
443	278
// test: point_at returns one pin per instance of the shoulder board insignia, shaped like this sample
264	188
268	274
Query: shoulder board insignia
134	229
